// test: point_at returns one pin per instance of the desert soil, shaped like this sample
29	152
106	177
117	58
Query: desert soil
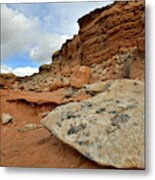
38	147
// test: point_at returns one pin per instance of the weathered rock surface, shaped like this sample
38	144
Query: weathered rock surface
108	128
6	80
112	30
6	118
81	77
56	85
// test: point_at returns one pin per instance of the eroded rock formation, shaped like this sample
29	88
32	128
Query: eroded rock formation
6	80
112	37
110	42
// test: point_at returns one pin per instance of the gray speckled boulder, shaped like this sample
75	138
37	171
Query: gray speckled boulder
108	128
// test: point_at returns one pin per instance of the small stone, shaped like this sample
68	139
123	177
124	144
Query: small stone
14	123
29	127
6	118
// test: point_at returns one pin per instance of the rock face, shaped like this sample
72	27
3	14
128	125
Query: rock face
110	42
81	77
112	30
112	36
108	128
56	85
6	80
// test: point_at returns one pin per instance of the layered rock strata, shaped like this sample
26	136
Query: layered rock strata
110	42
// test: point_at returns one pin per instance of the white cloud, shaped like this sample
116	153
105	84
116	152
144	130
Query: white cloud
46	46
25	71
21	34
5	69
18	33
19	71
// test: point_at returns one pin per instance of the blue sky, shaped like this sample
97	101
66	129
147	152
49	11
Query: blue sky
32	32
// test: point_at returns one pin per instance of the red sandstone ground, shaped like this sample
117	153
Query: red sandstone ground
36	148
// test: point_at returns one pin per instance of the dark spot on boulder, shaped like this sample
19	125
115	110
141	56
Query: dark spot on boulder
70	115
100	110
72	130
84	125
87	134
67	96
87	155
83	143
118	101
135	83
76	129
58	124
113	112
99	146
91	93
108	131
107	87
135	124
87	105
62	119
120	119
78	115
131	106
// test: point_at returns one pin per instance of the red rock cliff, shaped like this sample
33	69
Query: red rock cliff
109	45
112	36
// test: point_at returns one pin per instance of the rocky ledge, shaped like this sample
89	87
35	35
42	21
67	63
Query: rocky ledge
108	128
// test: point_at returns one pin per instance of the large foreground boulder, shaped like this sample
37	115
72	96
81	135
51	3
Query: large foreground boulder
108	128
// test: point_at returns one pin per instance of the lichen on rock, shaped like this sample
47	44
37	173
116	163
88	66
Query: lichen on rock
108	128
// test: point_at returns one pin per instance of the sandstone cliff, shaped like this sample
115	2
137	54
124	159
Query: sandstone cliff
110	43
112	37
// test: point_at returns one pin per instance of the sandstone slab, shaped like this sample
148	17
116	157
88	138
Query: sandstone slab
108	128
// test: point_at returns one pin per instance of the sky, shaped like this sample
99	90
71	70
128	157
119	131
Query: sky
32	32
